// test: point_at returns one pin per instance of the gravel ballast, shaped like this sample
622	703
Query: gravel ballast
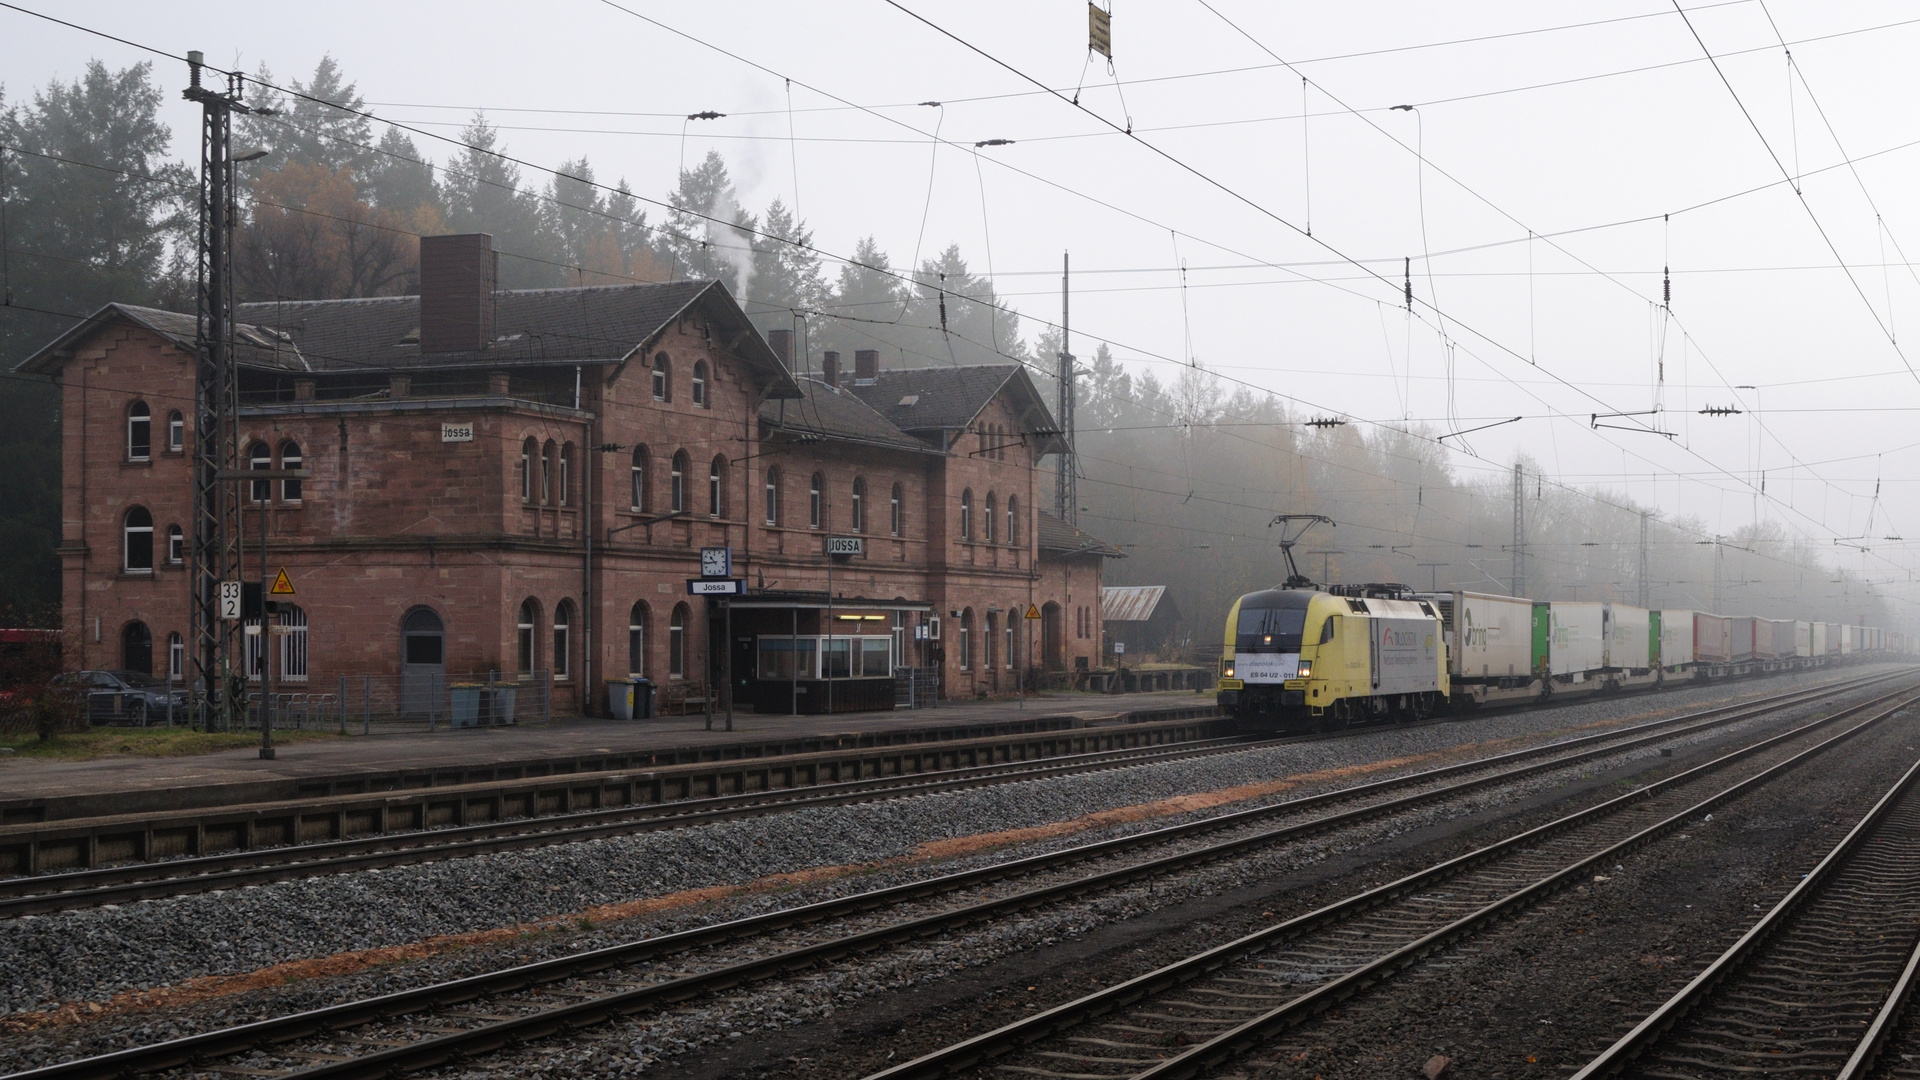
94	954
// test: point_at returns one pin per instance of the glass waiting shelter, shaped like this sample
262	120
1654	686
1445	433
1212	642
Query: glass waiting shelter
800	653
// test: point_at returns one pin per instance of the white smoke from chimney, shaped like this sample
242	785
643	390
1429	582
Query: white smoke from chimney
731	244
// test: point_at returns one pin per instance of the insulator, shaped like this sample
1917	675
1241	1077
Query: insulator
1409	269
1666	283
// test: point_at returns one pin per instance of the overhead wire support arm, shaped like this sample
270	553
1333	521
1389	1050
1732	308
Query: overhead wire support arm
1482	427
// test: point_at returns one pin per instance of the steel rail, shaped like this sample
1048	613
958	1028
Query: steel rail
1213	1051
1860	1063
1629	1046
43	893
267	1033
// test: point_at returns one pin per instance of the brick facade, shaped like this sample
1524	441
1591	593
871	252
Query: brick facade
395	519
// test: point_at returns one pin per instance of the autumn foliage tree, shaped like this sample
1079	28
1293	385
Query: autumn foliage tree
310	235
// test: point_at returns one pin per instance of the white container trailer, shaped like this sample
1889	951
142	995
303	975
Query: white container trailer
1713	639
1773	639
1817	633
1489	637
1849	639
1676	638
1802	638
1627	648
1577	639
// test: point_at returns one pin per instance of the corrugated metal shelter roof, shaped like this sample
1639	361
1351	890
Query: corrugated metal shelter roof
1129	603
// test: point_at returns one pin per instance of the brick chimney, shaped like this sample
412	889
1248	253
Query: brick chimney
781	342
303	389
458	275
830	368
866	367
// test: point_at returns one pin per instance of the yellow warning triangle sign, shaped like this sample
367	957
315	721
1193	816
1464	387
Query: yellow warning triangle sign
282	585
1032	612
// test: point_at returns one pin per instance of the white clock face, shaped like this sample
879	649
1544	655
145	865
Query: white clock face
713	562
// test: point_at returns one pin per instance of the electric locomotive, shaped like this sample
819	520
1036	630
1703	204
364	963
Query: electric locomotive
1319	659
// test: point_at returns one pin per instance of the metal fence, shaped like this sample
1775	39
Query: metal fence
366	704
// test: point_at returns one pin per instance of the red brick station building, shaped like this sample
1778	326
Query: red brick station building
520	482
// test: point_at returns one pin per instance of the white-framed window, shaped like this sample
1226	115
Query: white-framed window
966	514
700	398
677	642
966	640
176	658
566	473
547	455
137	541
858	509
993	505
528	450
642	479
139	432
1013	520
678	478
662	377
1013	640
717	487
893	515
293	643
637	620
176	431
176	546
816	501
290	459
562	640
528	640
260	458
773	496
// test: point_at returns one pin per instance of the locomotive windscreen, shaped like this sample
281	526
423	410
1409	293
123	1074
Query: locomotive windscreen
1276	629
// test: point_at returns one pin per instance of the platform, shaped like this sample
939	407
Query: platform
565	745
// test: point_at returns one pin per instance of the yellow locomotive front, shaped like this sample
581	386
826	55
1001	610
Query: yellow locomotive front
1304	660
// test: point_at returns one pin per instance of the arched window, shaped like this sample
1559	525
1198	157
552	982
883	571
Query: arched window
566	474
816	501
290	459
700	398
547	455
858	510
562	639
717	487
1013	520
966	639
176	657
136	648
260	456
637	620
662	377
139	436
677	642
993	631
176	431
528	450
993	505
138	548
642	479
528	640
773	496
176	545
893	512
681	466
966	514
1013	638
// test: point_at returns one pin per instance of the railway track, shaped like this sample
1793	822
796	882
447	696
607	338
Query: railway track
1819	986
1198	1013
434	1024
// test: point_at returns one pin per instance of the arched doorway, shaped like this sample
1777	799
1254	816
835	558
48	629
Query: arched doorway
136	648
423	662
1051	639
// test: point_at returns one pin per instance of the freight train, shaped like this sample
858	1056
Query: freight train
1305	659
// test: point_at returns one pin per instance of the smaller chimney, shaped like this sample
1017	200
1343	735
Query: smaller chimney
399	385
866	367
781	342
830	367
499	383
458	275
303	389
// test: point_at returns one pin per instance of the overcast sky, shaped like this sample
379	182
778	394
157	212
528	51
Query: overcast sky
1576	124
